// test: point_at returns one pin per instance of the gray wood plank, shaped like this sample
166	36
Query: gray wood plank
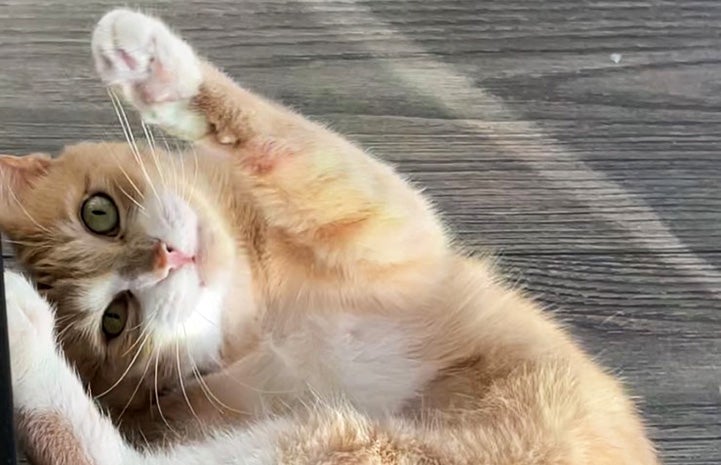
598	182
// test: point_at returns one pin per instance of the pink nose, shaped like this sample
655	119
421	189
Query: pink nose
169	258
177	259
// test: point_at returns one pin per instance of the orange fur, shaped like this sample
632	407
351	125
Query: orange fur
321	227
48	436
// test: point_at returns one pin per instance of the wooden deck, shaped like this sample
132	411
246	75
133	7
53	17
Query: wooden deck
579	139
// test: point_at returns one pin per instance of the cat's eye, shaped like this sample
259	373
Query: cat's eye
100	214
115	316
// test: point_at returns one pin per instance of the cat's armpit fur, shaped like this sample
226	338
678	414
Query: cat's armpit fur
340	324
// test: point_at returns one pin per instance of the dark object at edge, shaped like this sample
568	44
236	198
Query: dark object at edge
7	432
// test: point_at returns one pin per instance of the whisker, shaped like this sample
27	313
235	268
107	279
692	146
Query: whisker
150	322
212	400
250	387
130	137
182	385
173	168
174	171
196	167
61	335
130	197
124	123
165	142
125	373
137	386
127	176
183	193
147	443
190	186
62	318
34	245
157	394
27	213
16	242
149	134
141	337
151	143
207	391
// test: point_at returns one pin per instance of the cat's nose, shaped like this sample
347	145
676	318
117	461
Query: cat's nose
169	258
178	259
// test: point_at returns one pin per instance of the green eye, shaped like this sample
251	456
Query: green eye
100	214
115	317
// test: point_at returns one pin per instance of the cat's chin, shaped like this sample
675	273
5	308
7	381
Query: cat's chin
187	315
181	294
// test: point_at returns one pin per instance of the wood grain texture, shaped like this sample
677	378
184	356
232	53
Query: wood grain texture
597	182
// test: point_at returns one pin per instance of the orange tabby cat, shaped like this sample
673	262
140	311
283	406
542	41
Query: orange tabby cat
275	295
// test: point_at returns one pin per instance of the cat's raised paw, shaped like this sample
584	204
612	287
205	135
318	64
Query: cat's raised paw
139	55
152	68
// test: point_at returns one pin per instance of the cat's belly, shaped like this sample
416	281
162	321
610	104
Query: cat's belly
367	360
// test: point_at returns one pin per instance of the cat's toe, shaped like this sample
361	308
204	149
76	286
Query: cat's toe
121	47
139	55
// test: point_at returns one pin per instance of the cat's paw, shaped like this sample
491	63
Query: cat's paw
139	53
154	69
30	328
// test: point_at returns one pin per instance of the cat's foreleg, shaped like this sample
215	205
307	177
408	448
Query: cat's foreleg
57	422
315	187
60	425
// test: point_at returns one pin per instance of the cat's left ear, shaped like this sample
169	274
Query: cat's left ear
18	174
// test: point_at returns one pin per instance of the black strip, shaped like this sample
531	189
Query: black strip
7	432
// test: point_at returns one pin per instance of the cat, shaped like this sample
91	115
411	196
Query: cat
272	295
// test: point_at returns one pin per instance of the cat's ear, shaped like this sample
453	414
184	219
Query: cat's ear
18	174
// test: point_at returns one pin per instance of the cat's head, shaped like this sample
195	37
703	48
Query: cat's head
136	251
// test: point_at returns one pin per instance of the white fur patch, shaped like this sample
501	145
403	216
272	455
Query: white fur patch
30	327
178	311
155	71
96	294
177	119
180	308
42	380
43	383
365	359
169	218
